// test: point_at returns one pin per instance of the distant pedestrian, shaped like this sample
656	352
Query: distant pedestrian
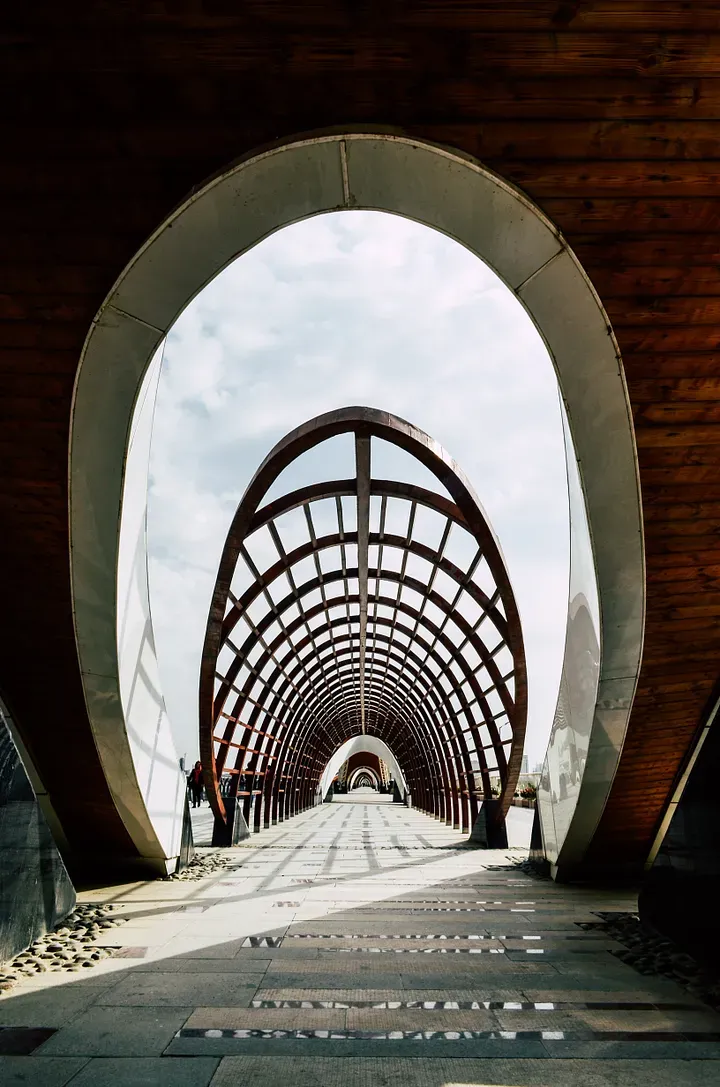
195	781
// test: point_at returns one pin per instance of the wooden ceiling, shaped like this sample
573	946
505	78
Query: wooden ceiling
607	114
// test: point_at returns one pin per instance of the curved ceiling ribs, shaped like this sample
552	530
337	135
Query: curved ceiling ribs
338	611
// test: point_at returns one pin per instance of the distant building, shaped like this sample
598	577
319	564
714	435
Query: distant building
525	765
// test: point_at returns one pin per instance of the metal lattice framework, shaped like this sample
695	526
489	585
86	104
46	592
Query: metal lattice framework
356	606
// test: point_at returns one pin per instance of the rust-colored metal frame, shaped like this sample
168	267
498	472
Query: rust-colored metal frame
358	649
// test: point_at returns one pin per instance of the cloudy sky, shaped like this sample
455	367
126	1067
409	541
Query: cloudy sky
347	309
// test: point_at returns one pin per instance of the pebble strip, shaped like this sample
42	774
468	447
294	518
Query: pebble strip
647	951
203	865
69	947
654	955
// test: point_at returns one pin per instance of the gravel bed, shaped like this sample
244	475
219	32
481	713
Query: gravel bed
206	864
655	956
71	946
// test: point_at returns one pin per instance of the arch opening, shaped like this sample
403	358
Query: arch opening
459	197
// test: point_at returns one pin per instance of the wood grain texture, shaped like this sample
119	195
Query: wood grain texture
606	113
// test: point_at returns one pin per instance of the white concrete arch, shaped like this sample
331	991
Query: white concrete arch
264	192
362	743
358	772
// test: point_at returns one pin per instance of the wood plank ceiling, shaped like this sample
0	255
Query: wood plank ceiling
606	113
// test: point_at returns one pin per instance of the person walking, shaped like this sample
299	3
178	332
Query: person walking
195	781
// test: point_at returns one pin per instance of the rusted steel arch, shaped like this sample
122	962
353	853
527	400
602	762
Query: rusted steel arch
369	643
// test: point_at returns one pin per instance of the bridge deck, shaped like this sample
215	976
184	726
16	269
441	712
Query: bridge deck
363	931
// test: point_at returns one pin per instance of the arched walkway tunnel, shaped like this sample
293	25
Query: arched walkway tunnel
362	607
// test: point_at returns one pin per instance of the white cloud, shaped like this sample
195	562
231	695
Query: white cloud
354	308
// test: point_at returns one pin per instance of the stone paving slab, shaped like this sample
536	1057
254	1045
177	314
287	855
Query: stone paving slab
179	989
322	1071
43	1071
117	1032
147	1072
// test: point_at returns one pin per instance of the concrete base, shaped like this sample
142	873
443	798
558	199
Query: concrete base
187	845
489	830
235	830
35	889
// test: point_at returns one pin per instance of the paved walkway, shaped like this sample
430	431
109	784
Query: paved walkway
361	944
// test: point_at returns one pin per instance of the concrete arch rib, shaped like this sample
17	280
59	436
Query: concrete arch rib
302	177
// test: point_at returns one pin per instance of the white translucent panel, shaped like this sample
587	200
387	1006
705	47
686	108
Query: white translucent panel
461	548
373	556
332	459
501	608
433	613
349	513
428	527
485	738
316	621
400	637
506	731
272	632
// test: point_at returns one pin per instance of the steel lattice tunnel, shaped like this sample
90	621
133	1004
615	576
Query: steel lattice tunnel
356	606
